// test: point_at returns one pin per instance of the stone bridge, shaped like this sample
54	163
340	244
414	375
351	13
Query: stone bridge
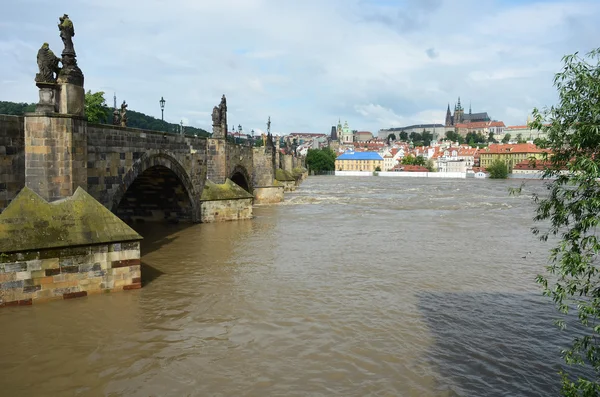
135	173
66	244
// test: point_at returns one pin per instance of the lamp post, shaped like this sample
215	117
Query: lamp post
162	108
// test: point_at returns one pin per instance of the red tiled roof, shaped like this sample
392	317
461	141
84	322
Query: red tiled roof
498	148
480	124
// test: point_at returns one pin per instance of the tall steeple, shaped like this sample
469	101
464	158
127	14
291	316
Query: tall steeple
448	116
469	107
459	107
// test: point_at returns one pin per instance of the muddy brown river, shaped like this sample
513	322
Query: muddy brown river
354	286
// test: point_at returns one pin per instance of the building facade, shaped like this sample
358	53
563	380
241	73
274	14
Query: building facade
511	154
359	161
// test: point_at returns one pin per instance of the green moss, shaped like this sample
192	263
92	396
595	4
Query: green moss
298	171
30	223
226	191
283	175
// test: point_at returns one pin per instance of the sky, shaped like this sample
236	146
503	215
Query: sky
306	64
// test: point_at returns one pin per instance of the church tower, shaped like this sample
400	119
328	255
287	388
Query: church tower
348	136
448	117
458	113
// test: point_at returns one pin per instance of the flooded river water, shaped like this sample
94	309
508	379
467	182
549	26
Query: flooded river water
354	286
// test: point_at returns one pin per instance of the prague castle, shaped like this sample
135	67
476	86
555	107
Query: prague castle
459	116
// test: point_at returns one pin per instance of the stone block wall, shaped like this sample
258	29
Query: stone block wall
216	160
239	156
12	158
226	210
263	171
118	155
268	195
287	163
55	154
37	276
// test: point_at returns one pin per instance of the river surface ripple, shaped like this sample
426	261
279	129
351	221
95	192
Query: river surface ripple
354	286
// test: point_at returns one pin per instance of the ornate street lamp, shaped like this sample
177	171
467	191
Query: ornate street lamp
162	108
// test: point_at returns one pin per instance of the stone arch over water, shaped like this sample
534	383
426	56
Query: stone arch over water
157	188
240	177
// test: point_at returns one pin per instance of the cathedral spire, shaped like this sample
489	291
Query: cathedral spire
469	107
459	107
448	116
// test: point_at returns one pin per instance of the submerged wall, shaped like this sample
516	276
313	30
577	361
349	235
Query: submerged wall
64	249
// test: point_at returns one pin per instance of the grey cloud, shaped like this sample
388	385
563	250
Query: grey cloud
432	53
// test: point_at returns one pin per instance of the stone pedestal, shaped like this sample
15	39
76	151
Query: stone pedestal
48	100
55	154
71	99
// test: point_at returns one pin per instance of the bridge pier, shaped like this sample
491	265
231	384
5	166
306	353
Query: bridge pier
55	154
216	160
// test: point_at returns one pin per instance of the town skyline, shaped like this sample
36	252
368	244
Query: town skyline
265	59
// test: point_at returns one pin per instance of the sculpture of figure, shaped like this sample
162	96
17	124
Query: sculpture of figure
216	116
223	110
48	65
123	114
66	33
116	118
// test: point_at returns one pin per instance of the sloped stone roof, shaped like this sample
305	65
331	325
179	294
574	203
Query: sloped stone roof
226	191
283	175
31	223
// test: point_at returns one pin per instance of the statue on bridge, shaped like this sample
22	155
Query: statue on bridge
216	116
116	117
219	118
66	34
223	110
48	65
123	114
70	72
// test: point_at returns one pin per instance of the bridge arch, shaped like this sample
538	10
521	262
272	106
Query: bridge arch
162	183
240	177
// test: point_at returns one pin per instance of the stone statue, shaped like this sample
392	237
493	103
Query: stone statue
116	117
123	114
48	65
66	33
70	72
223	110
216	116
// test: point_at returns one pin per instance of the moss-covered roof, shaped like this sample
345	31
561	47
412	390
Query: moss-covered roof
283	175
297	171
31	223
226	191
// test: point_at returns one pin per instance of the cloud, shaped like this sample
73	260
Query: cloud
432	53
375	63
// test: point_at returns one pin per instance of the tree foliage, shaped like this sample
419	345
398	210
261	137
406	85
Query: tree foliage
134	119
455	137
16	109
475	137
498	169
572	210
320	159
95	106
412	160
506	138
